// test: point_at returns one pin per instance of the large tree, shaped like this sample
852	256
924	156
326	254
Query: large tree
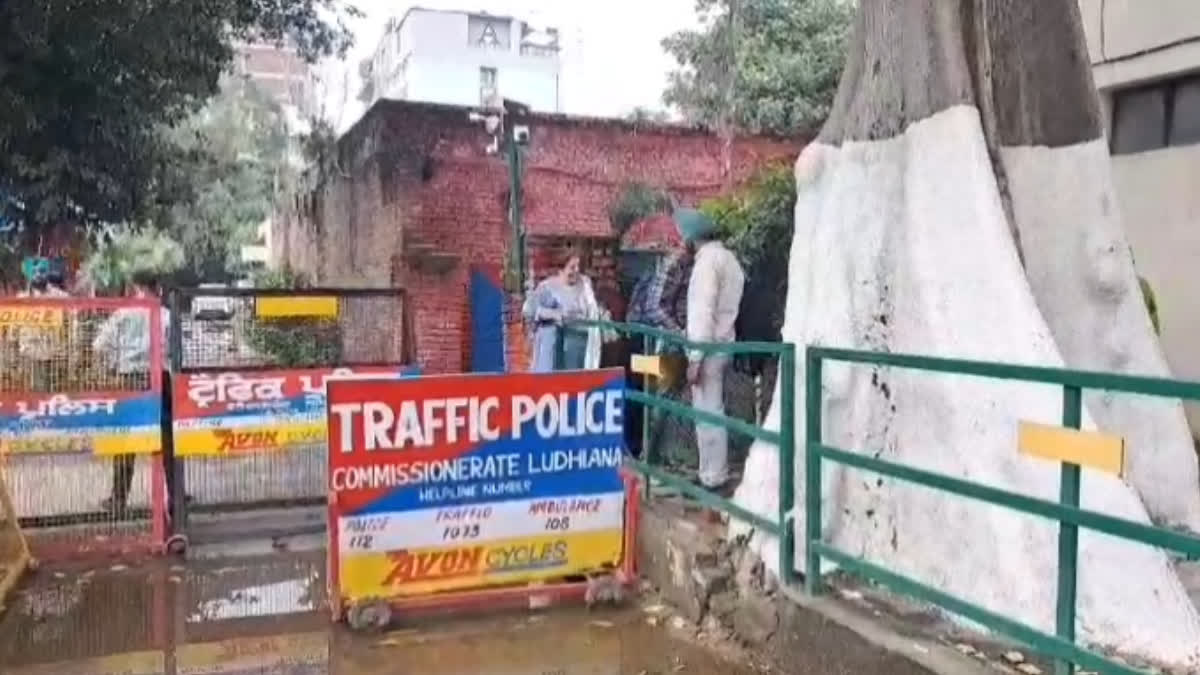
232	157
781	63
86	86
958	202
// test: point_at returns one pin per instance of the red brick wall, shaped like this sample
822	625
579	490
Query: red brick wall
418	175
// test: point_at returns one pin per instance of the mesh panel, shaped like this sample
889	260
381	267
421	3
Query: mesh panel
68	349
318	328
65	505
245	333
79	392
292	476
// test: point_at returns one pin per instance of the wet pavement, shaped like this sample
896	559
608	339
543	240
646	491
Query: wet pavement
266	615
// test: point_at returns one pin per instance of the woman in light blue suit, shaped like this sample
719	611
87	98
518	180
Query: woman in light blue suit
563	296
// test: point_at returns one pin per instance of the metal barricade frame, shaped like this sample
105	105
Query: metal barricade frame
783	525
278	314
68	375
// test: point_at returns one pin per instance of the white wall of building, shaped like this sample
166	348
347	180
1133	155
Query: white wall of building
1146	58
437	56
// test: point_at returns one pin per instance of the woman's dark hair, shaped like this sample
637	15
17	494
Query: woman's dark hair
567	254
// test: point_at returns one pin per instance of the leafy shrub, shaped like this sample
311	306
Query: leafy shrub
295	342
119	254
755	222
635	202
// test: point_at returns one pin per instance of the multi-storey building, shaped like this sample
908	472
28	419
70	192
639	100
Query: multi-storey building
275	69
463	58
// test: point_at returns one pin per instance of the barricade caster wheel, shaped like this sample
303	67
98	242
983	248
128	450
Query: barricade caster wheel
177	544
372	615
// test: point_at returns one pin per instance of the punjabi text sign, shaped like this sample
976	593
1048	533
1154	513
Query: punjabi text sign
467	481
257	411
104	423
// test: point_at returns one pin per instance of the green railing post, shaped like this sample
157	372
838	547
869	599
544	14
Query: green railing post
1068	534
812	471
787	464
560	347
648	419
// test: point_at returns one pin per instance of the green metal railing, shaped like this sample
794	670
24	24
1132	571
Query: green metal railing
1061	646
783	525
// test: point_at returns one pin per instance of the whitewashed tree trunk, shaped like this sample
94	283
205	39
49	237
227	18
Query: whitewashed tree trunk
958	203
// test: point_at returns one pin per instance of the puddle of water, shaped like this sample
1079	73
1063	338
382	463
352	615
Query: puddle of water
266	616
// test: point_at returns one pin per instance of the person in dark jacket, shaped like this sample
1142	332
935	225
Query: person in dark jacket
659	300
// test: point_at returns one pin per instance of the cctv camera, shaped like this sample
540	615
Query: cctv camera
521	134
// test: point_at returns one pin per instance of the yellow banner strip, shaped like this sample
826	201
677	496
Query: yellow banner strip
477	565
299	305
248	440
643	364
1085	448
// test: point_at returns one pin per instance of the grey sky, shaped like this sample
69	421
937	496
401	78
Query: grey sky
612	60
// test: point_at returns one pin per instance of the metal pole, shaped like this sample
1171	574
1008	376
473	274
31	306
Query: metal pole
812	471
1068	534
787	464
514	206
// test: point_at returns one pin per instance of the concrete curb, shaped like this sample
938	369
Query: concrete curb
713	584
924	652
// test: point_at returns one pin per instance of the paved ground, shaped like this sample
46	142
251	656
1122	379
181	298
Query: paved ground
266	616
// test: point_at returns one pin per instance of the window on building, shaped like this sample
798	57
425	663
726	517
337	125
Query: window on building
489	32
489	81
1185	116
1158	115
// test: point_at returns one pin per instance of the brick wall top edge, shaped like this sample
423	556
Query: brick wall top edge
457	116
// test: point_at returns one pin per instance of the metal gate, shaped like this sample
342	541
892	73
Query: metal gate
247	405
81	422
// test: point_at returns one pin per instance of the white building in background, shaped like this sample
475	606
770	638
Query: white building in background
1146	62
464	58
259	252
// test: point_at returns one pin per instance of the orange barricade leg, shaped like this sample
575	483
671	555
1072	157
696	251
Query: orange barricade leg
14	553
